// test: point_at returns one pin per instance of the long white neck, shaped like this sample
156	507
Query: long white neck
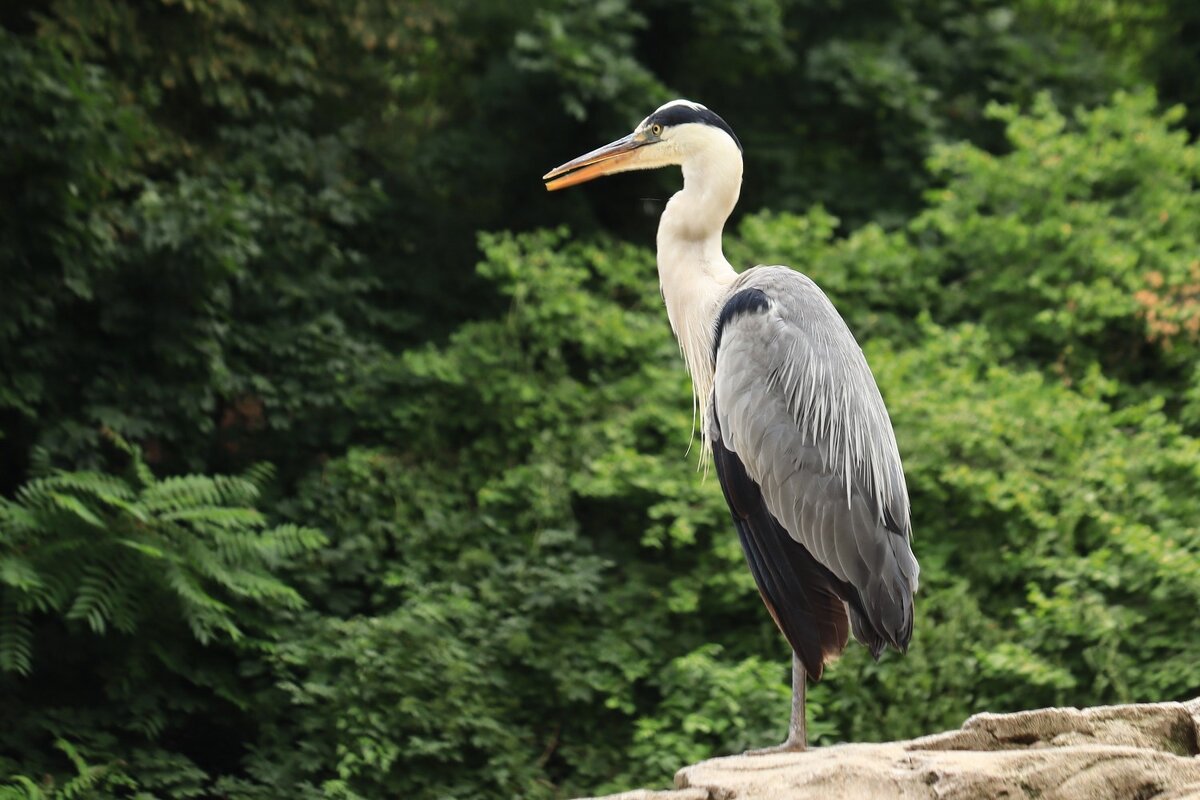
692	269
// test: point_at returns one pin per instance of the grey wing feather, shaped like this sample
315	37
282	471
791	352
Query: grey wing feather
795	400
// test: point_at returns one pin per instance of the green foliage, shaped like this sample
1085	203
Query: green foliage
587	48
98	549
710	706
237	292
138	576
88	781
1090	253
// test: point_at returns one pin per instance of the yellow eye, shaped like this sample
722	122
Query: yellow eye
656	129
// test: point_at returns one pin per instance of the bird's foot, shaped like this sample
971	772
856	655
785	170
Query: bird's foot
790	746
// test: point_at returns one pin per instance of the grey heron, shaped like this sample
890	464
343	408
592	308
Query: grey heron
798	432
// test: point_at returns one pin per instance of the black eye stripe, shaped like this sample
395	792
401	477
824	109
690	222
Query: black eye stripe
682	114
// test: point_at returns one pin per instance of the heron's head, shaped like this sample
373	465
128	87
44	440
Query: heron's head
678	133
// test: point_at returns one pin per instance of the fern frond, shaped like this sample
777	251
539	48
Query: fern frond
125	600
21	788
94	548
15	518
148	550
53	593
25	585
189	491
288	541
88	777
132	508
260	587
18	573
218	516
237	490
259	474
202	560
184	491
16	638
141	471
142	475
73	505
96	484
204	614
33	492
72	755
94	598
237	547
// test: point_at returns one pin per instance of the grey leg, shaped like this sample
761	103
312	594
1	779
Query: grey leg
797	738
798	730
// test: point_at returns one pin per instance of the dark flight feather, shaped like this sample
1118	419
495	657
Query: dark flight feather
804	598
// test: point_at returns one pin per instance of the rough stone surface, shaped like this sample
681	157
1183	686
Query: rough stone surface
1132	752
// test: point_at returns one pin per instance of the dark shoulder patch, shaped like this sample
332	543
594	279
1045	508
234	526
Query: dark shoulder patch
747	301
683	113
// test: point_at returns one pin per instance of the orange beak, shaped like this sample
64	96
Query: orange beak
604	160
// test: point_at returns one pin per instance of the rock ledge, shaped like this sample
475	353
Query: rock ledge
1131	752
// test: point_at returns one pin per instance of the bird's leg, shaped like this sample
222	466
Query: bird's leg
797	738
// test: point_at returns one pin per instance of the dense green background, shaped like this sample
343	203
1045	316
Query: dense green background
339	460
